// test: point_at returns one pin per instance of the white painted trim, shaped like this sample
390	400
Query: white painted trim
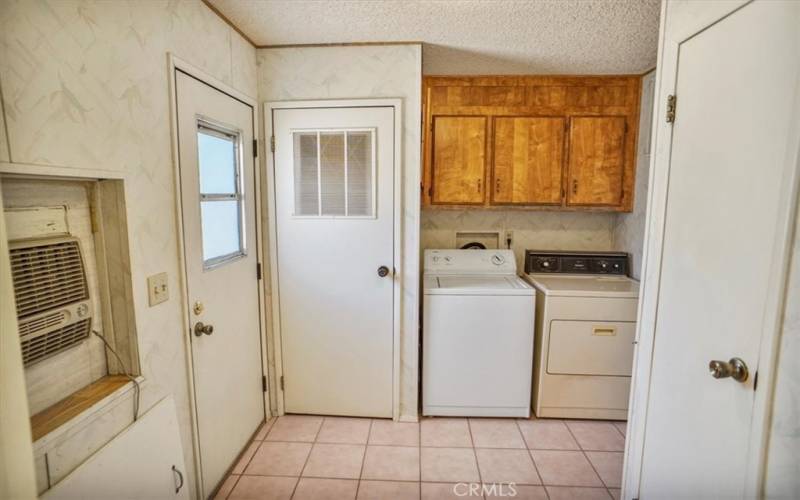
399	205
666	79
173	64
58	172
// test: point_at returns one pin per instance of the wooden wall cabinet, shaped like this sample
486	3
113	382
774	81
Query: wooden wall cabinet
549	142
459	153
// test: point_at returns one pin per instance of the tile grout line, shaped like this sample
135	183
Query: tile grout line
533	461
589	460
419	447
475	454
364	458
307	458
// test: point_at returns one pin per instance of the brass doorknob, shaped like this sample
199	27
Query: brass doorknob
383	271
200	329
735	369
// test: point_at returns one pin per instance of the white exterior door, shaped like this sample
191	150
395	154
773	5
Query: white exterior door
217	177
726	206
334	211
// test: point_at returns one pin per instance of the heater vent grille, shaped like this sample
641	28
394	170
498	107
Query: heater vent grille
52	296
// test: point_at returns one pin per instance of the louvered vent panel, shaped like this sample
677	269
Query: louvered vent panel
41	323
47	276
55	341
52	294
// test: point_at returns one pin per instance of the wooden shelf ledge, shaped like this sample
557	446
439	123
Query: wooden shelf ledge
53	417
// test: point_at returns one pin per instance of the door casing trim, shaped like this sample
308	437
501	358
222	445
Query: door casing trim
397	104
666	82
175	64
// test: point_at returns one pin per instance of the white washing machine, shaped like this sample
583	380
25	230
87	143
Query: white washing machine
477	335
585	331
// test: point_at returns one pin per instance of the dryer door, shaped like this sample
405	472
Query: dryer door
591	348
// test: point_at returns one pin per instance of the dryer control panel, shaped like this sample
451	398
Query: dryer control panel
537	261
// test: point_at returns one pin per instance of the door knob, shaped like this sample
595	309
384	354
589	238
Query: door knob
383	271
200	329
735	368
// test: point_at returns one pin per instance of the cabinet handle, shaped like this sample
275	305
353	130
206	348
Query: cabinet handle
180	477
479	185
574	186
497	185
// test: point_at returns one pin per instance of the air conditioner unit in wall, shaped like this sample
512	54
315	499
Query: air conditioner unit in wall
52	294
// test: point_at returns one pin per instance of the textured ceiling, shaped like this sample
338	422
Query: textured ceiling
470	36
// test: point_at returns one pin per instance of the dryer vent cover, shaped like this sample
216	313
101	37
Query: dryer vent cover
52	296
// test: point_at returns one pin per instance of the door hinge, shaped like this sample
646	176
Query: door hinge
258	270
671	108
282	384
272	143
255	148
263	383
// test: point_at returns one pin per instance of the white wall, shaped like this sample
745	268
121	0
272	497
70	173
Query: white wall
629	227
84	85
354	72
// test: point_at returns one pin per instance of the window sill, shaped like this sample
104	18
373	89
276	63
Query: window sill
71	411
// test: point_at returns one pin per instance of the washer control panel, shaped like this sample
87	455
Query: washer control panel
470	261
576	262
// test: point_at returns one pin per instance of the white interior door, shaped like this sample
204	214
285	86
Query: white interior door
724	232
334	211
217	177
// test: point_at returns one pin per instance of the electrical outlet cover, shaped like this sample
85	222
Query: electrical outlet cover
157	289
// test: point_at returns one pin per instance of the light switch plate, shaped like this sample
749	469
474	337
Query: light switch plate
157	288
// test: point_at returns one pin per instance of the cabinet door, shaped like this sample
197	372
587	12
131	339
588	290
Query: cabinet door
459	159
596	160
528	156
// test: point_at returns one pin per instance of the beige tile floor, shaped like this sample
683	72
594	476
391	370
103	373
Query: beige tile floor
319	458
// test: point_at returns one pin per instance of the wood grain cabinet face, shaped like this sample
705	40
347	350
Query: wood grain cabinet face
528	157
459	160
516	142
596	163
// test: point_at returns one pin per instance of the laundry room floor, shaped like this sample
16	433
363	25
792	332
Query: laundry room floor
315	458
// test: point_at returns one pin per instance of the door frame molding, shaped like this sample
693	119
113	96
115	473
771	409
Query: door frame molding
175	64
673	32
397	104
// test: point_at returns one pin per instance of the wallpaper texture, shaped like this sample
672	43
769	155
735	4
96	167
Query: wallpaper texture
629	228
84	85
535	230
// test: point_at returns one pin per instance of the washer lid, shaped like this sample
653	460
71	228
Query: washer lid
571	285
476	285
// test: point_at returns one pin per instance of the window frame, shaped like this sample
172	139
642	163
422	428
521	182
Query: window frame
214	128
373	173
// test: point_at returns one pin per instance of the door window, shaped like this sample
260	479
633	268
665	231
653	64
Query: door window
221	198
334	173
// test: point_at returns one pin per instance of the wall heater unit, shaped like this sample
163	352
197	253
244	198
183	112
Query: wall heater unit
52	295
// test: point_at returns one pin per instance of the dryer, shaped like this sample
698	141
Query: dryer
585	332
477	335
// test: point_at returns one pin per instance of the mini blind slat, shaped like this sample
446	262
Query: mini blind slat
333	173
